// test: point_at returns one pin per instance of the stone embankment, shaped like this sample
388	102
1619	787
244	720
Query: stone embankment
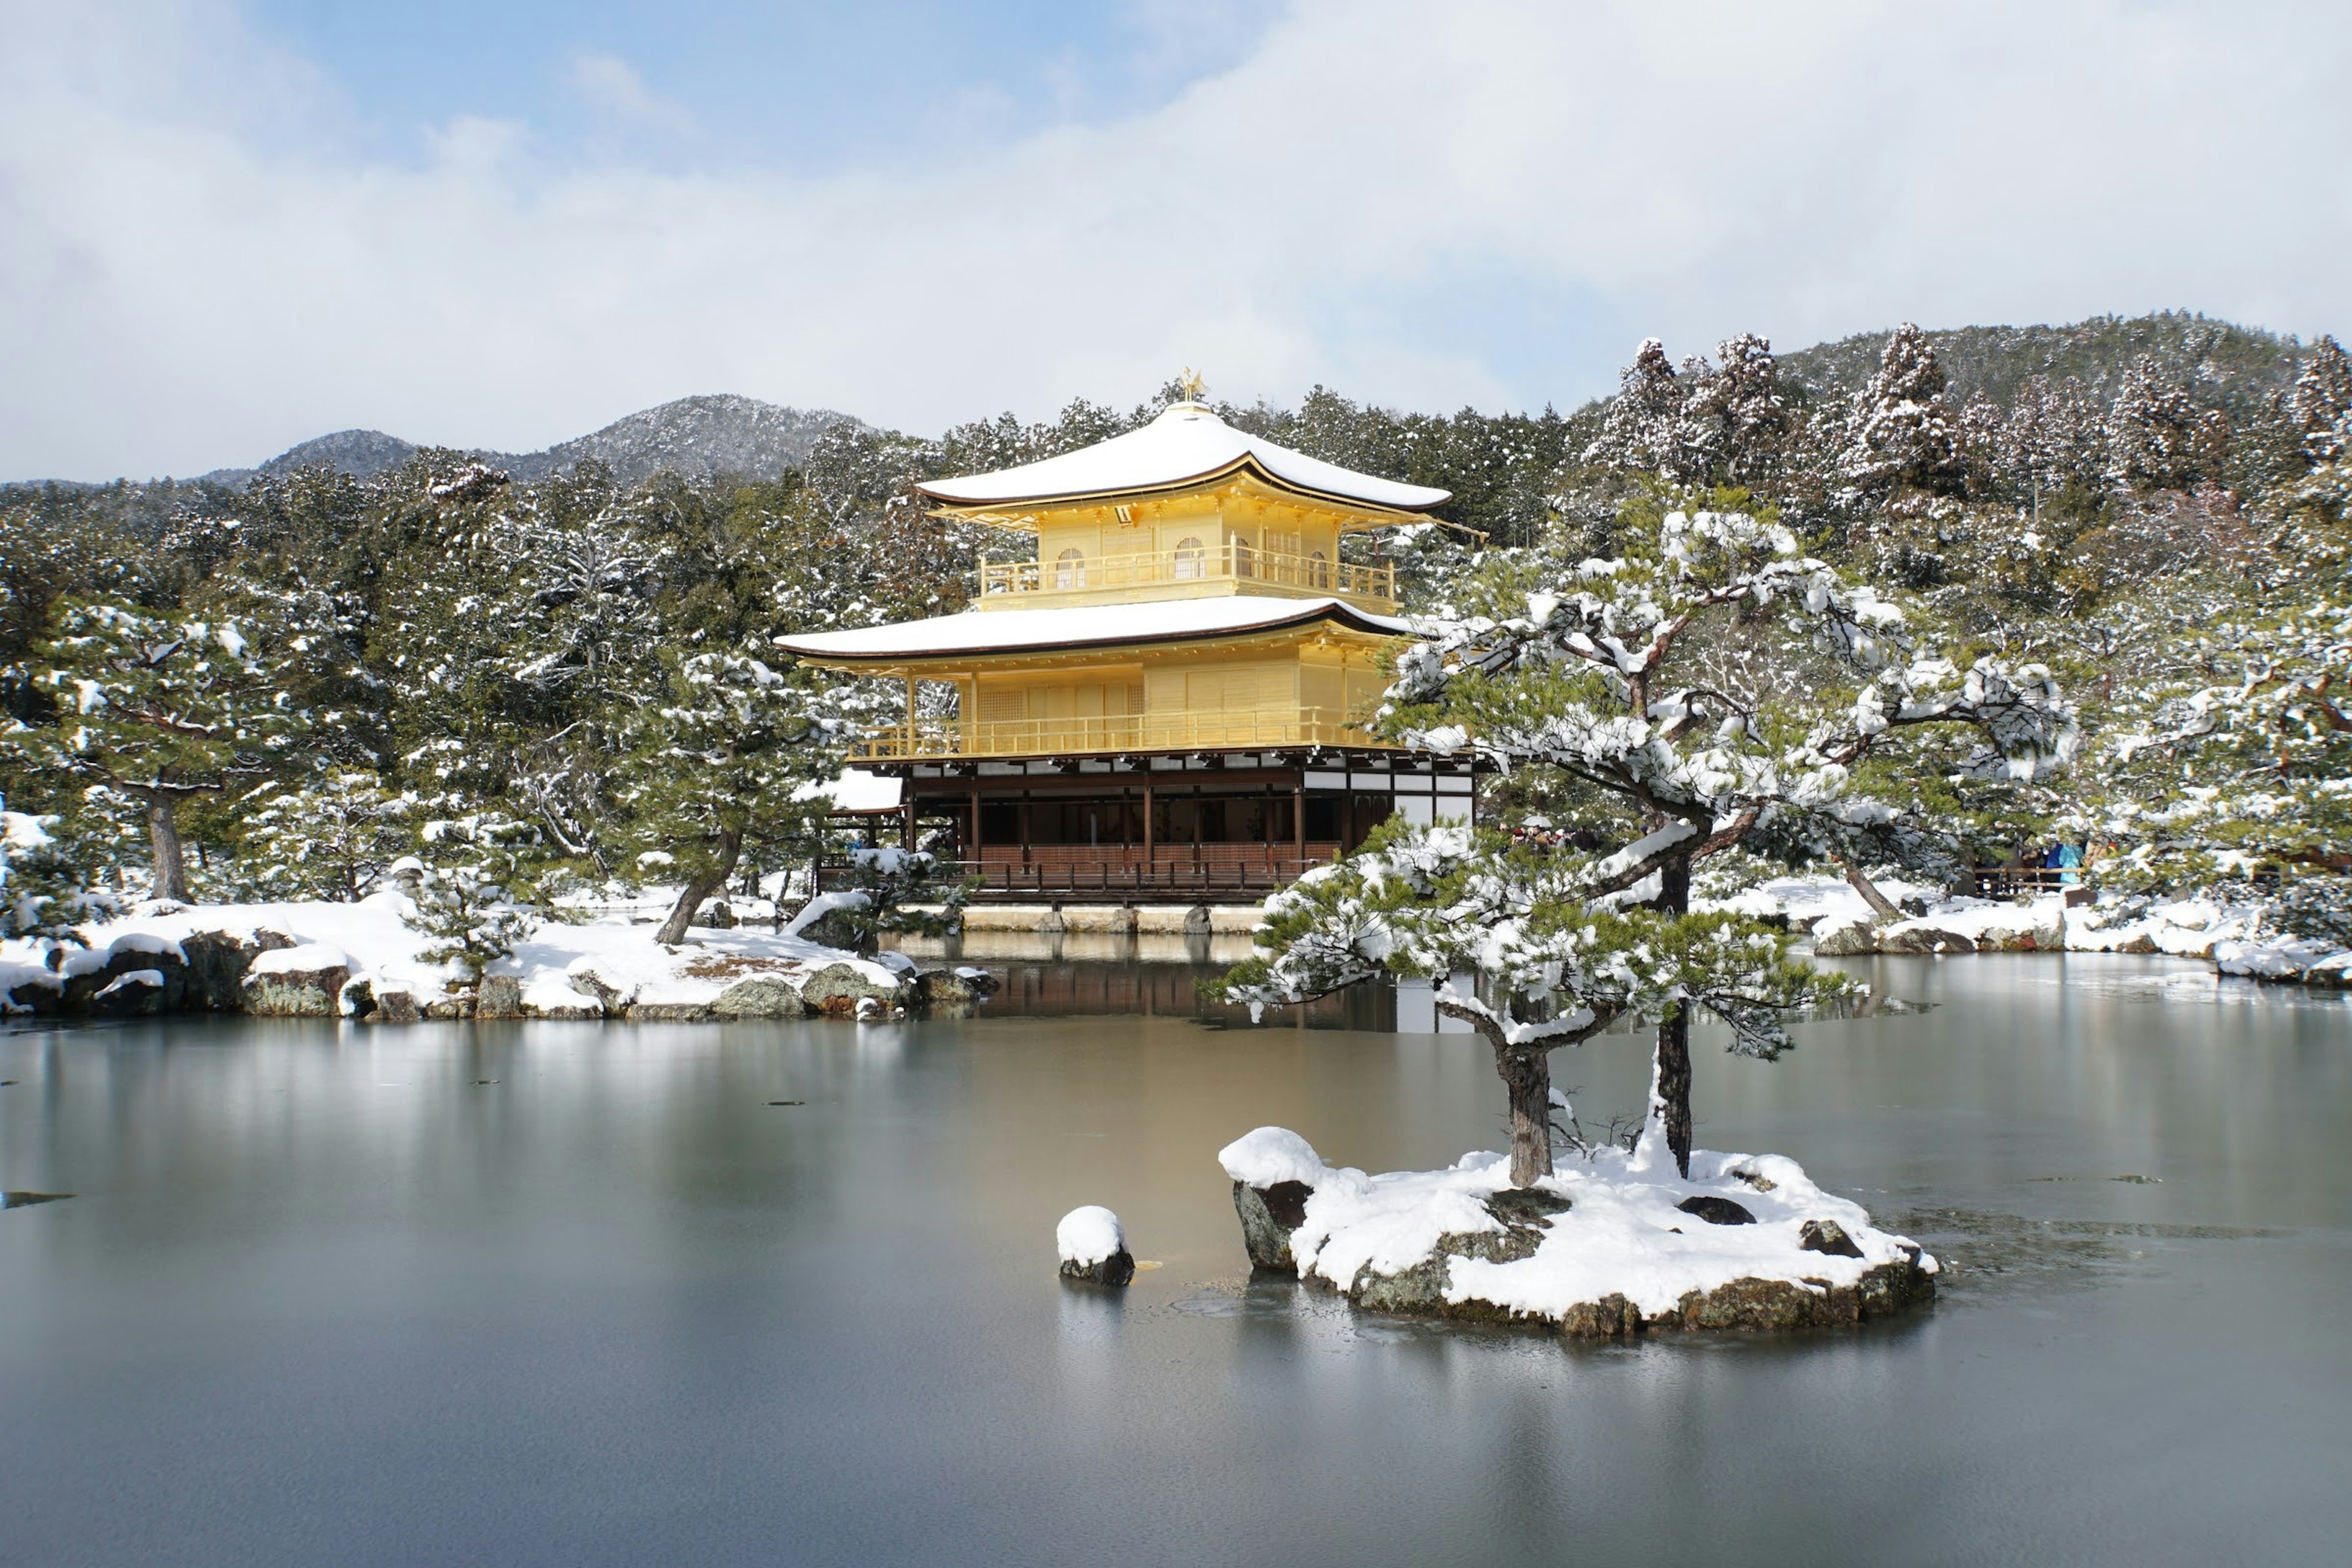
272	973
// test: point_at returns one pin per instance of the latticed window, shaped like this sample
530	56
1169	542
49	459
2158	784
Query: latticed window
1192	559
1318	570
1070	569
1245	558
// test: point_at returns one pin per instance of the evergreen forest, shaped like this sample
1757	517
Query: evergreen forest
281	686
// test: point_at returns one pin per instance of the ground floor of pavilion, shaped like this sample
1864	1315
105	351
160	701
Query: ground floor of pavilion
1177	827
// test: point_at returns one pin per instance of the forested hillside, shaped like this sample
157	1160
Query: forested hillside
295	674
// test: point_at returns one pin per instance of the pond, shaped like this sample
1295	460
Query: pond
607	1294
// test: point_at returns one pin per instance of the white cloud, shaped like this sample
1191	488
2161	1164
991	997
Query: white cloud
612	85
1382	196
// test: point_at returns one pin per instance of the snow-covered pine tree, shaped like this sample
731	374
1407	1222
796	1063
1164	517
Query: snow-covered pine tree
2157	438
1551	962
1899	428
330	835
716	763
1735	424
1711	678
2321	402
165	710
1642	430
489	883
889	890
44	891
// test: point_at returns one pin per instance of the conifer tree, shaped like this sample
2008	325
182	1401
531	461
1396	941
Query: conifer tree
45	890
330	836
162	710
716	763
1661	682
1899	430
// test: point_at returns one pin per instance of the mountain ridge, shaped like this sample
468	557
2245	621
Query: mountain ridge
698	437
707	435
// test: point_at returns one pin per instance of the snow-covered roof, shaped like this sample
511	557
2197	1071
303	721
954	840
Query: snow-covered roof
1084	625
856	790
1186	445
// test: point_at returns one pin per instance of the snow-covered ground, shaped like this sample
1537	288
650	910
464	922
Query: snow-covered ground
1625	1228
610	962
1805	900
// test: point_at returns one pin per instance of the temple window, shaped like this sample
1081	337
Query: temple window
1245	559
1192	559
1070	569
1319	569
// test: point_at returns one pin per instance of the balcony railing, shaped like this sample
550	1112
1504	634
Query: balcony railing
1129	732
1242	563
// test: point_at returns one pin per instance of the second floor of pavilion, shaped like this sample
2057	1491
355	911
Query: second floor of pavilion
1186	507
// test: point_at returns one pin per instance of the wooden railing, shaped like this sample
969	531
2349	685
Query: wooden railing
1124	732
1231	558
1171	876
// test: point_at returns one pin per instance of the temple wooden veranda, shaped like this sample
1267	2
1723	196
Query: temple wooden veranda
1163	700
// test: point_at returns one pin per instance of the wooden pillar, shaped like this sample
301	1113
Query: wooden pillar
910	716
974	850
906	824
1298	819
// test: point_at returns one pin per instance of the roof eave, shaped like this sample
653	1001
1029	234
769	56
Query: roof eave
1246	463
1339	611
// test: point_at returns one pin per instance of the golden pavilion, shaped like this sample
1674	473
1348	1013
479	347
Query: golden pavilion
1164	702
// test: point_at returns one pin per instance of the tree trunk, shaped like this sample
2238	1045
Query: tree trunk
171	856
1673	1061
1527	1075
1674	1085
1880	904
681	914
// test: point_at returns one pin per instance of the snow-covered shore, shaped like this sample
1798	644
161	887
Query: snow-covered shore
361	960
1611	1245
2238	937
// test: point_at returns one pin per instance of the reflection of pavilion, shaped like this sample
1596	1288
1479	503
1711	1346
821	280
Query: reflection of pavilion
1166	703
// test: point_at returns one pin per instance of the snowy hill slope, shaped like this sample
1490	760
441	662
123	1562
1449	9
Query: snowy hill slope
693	438
1996	361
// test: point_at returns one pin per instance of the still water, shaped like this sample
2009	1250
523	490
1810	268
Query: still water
584	1294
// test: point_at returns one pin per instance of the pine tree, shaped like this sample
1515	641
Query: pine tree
2156	436
45	890
716	764
1710	681
333	837
1735	424
1899	430
1642	430
2322	402
489	883
162	710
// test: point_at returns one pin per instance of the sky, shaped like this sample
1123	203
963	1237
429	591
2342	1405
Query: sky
229	225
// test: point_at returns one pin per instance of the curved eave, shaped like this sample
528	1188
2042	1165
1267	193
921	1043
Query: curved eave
1346	617
1247	464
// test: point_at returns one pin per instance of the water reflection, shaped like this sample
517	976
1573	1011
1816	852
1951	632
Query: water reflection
587	1293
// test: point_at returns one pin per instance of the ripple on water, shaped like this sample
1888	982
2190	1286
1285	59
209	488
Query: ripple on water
1992	1256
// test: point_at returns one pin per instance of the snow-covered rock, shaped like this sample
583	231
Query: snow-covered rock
1601	1248
1980	925
302	982
761	996
1845	936
2181	928
841	988
2289	958
281	959
1093	1246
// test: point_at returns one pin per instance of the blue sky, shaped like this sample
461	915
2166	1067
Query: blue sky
227	225
810	86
